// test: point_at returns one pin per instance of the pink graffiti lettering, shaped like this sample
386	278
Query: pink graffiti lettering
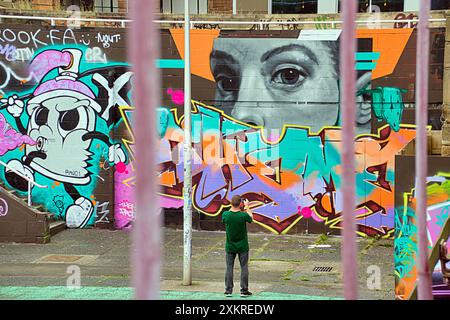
126	208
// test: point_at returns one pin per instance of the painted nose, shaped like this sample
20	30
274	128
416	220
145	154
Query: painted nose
250	106
246	111
40	142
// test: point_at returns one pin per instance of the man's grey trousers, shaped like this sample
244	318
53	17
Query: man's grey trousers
243	259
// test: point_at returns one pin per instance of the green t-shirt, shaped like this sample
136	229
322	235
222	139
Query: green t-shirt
236	228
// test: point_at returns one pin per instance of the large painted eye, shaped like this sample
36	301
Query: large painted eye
68	120
41	116
288	76
226	83
71	120
227	79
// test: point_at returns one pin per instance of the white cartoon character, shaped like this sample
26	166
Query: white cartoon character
63	115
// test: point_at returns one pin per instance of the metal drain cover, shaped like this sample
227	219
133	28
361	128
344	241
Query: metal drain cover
322	269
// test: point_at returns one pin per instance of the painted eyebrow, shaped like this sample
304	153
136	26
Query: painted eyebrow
290	47
222	55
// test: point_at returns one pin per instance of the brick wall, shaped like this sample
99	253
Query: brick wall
220	6
123	6
43	4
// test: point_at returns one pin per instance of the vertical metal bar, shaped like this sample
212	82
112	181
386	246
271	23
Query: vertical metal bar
423	44
187	207
348	94
143	51
234	7
29	193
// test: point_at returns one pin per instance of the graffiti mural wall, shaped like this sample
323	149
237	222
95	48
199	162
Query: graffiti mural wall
266	117
61	90
266	125
438	201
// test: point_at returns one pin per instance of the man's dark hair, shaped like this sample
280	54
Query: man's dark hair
236	201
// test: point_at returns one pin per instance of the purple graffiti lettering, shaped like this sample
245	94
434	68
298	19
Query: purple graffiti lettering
8	51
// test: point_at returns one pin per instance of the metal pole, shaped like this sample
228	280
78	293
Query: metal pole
143	50
348	93
29	193
187	208
234	7
423	43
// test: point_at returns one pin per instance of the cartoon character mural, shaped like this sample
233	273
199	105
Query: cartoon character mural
63	113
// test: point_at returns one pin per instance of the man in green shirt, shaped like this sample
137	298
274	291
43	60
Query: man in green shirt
237	243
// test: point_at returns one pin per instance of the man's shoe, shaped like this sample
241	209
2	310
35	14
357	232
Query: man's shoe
228	293
246	294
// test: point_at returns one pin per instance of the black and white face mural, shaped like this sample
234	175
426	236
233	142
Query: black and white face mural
63	113
274	82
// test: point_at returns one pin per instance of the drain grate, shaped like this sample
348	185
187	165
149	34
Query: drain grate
322	269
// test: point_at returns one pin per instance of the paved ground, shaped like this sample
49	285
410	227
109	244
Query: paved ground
281	267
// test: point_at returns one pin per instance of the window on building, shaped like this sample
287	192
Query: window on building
177	6
106	6
440	4
382	5
294	6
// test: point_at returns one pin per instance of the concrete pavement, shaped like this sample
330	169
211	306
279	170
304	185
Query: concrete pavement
281	267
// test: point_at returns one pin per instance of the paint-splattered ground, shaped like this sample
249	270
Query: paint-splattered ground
281	267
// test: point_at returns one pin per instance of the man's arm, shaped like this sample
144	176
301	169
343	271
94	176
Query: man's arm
247	209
